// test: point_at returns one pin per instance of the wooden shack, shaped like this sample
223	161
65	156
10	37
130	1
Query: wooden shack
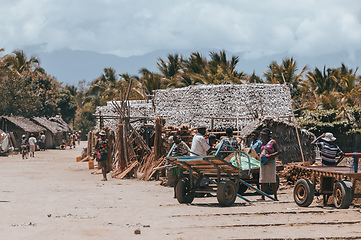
19	126
55	132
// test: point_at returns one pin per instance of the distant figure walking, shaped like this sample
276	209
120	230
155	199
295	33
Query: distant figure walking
24	147
42	141
70	140
32	143
102	153
73	139
79	137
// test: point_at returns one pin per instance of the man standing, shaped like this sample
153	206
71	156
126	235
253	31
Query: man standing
42	141
329	150
256	144
229	140
32	142
102	153
199	143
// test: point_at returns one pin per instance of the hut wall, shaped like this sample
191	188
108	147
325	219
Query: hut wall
349	143
191	105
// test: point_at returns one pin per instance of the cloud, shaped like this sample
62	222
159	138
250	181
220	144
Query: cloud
125	27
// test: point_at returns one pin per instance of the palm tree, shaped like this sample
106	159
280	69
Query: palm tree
195	70
150	81
349	86
222	69
170	68
286	72
19	63
323	86
254	78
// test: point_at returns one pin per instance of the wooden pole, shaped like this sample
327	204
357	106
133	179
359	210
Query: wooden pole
110	138
90	139
121	160
294	119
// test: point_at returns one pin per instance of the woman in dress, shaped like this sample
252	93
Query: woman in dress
269	153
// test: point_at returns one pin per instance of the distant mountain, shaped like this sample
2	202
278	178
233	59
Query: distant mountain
71	66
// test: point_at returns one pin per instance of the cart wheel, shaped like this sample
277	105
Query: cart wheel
242	188
342	194
226	193
303	192
269	189
183	192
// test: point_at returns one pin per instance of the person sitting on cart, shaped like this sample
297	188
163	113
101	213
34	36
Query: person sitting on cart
256	143
211	140
230	141
180	149
200	147
328	149
269	152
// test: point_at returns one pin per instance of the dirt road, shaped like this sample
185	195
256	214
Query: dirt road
52	196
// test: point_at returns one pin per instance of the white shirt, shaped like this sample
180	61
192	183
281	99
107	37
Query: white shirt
32	141
199	145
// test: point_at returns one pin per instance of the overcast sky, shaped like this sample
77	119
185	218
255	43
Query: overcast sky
136	27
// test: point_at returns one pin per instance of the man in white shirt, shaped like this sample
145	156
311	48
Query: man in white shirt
32	142
200	146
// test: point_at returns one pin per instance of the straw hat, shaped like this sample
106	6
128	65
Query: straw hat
329	137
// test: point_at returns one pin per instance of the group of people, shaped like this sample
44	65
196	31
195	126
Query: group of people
263	144
72	139
30	144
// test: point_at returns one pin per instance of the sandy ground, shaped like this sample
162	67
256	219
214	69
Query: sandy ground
52	196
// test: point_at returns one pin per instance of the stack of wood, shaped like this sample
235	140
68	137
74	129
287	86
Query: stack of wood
292	173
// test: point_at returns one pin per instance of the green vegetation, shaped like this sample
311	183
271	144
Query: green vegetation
330	97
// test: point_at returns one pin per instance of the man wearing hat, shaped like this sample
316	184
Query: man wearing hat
32	143
328	149
102	153
200	146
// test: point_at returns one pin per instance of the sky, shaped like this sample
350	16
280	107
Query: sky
135	27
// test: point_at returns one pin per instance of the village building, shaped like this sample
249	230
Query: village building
56	131
18	126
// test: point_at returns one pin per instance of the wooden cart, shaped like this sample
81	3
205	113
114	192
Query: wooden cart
333	180
221	176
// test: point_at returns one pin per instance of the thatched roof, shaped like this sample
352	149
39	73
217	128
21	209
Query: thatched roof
285	135
53	127
25	124
62	124
138	108
191	105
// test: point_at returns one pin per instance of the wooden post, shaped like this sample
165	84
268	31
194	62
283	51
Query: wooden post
121	160
212	124
90	140
159	122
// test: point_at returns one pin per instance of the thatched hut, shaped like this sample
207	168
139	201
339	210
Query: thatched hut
285	135
55	132
20	126
239	103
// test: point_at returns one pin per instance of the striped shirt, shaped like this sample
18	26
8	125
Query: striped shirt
328	153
